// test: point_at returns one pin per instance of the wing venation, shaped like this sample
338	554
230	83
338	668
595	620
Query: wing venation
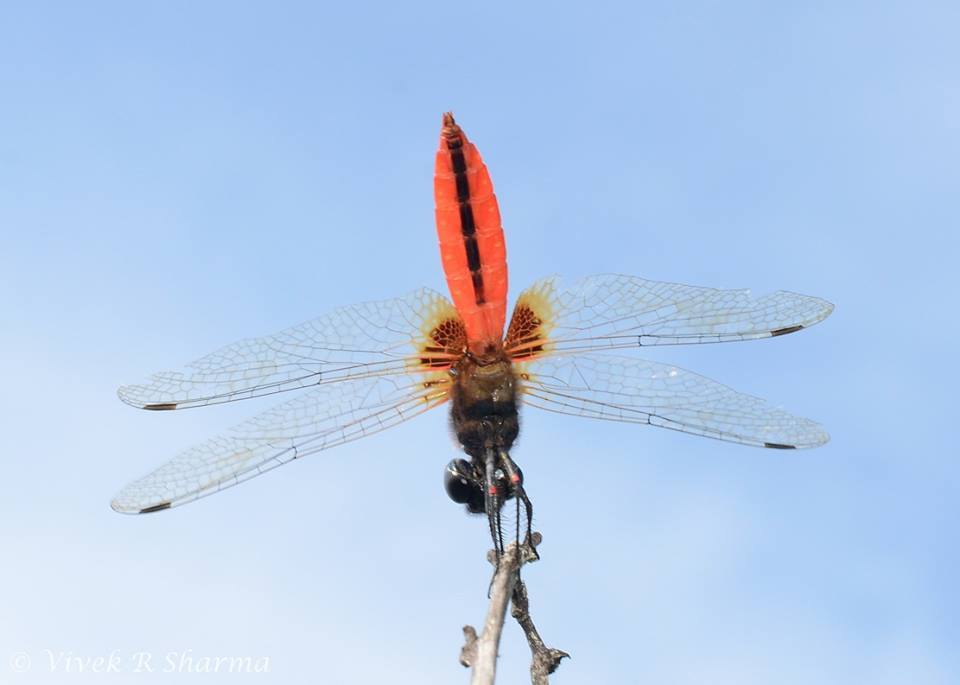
319	418
611	311
369	340
615	388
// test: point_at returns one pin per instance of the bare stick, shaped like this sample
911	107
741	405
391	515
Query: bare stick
545	659
480	652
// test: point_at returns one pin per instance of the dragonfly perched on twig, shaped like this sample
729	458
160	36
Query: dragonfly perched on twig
368	367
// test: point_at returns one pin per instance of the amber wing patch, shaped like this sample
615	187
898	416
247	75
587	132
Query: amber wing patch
532	321
443	337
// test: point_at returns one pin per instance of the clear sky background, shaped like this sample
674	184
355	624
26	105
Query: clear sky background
175	176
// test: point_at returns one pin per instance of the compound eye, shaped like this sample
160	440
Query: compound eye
459	482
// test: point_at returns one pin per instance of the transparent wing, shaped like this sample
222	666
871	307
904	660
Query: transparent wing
320	417
616	388
369	340
611	311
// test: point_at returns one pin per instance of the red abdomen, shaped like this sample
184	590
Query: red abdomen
471	238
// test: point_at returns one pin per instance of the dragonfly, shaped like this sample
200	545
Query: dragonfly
365	368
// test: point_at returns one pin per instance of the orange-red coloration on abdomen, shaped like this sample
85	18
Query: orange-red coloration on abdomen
471	238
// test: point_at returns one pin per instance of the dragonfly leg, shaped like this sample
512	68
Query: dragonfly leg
515	478
492	497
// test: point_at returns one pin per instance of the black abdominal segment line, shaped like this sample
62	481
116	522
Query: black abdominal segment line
467	226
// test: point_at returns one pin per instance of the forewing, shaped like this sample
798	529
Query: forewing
611	311
320	417
369	340
630	390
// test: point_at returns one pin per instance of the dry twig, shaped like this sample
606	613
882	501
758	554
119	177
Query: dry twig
480	651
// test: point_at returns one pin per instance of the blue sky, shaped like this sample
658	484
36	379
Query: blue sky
175	177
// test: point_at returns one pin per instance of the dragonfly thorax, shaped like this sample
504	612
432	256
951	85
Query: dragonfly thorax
484	404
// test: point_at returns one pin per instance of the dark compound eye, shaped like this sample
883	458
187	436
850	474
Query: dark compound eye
459	482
